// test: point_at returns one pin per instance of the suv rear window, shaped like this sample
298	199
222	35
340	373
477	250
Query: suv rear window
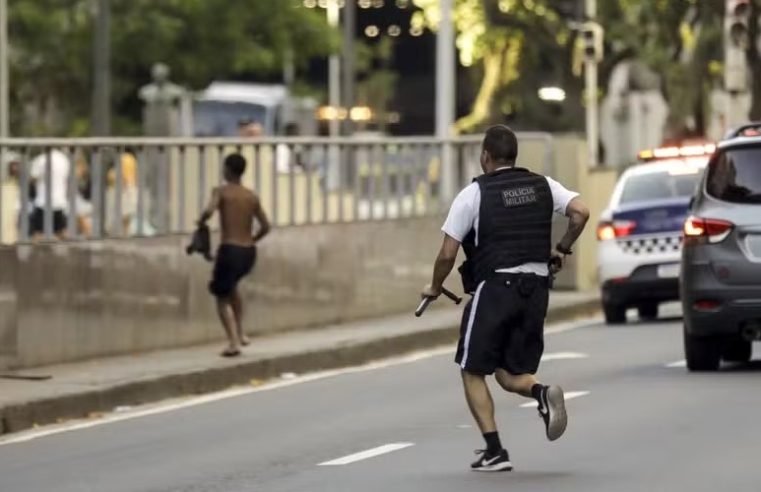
658	186
735	175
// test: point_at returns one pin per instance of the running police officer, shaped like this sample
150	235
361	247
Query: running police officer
503	221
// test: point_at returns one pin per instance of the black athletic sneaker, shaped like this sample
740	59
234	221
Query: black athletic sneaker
492	462
552	411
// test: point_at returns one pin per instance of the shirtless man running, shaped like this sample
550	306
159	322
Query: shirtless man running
238	207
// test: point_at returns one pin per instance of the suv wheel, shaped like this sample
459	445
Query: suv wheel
648	312
702	353
614	314
737	350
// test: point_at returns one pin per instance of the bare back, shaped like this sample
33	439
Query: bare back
238	206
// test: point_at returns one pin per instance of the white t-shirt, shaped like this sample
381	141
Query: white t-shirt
463	217
283	158
59	179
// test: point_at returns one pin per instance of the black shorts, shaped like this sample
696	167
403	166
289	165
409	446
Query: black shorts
503	325
37	221
232	264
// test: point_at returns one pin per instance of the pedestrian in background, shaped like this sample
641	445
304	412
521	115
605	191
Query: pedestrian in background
128	165
60	167
248	128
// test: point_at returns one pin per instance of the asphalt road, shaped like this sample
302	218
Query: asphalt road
642	426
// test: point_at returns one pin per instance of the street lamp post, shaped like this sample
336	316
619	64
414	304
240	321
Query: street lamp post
590	73
102	70
349	25
4	98
334	70
445	95
334	101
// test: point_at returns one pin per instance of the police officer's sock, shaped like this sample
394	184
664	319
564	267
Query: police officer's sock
493	445
536	391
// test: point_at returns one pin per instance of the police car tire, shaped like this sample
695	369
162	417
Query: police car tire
614	314
737	350
702	353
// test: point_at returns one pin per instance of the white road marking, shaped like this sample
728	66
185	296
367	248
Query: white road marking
185	402
173	404
563	356
370	453
678	363
569	395
564	326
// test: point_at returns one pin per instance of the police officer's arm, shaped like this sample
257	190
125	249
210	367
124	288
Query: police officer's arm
459	223
578	215
213	205
444	264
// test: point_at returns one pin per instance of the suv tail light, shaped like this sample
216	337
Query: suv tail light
701	231
617	228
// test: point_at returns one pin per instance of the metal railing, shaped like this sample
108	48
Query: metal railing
127	187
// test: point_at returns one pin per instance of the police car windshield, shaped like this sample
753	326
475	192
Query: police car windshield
735	176
658	186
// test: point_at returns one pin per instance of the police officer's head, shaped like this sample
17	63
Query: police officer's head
499	149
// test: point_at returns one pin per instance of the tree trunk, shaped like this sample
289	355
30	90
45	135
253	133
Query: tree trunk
494	62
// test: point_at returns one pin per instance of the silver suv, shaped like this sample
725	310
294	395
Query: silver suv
721	256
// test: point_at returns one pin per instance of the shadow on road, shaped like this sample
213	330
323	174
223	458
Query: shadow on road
752	366
635	321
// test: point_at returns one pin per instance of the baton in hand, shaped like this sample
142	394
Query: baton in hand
427	300
556	262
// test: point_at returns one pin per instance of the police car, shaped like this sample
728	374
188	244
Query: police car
640	232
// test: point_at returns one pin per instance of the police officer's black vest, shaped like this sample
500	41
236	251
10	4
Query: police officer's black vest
514	225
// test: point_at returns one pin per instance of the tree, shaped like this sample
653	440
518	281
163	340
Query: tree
377	79
681	40
518	45
495	50
507	40
201	40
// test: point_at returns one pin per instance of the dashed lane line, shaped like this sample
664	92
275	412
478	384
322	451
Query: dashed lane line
370	453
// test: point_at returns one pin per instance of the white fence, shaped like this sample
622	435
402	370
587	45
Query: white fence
78	189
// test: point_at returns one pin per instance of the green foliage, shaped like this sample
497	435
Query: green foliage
201	40
509	42
681	40
376	78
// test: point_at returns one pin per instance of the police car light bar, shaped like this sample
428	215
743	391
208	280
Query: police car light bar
672	152
749	130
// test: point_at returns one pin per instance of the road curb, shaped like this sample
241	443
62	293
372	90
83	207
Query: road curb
14	418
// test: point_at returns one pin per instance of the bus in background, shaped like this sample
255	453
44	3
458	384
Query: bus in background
224	107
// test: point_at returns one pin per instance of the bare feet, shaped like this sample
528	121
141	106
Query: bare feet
230	352
244	340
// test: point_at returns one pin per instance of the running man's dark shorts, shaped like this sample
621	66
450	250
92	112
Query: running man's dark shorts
503	325
232	264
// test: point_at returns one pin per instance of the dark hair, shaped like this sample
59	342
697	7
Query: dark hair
236	164
501	144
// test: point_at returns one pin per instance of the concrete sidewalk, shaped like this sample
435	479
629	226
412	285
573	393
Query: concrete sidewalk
80	389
